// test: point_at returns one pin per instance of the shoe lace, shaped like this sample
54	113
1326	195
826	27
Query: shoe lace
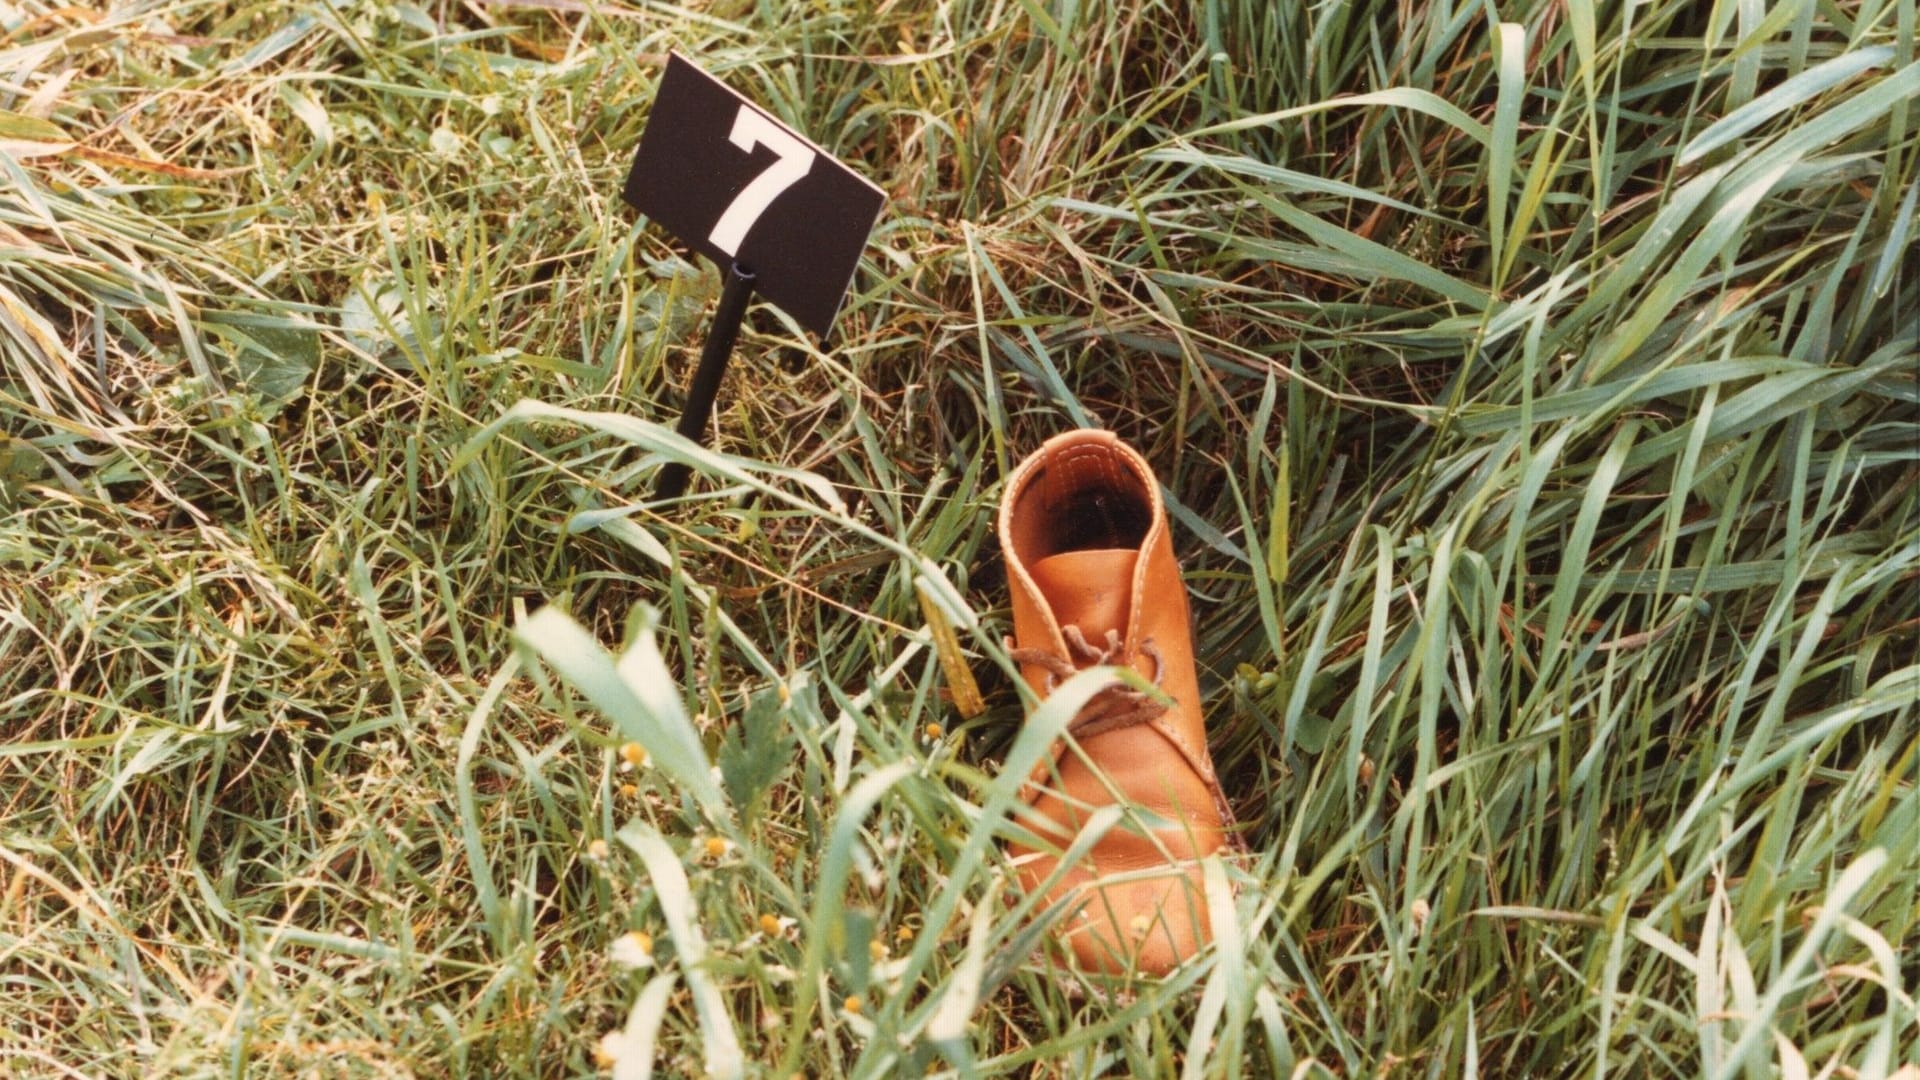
1114	707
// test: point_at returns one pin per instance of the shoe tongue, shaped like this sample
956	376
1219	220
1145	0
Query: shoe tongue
1088	589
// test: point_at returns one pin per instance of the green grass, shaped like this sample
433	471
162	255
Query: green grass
1537	397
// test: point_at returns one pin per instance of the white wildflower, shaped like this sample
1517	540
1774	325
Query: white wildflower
633	949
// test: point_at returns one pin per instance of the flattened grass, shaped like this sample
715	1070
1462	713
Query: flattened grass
1536	400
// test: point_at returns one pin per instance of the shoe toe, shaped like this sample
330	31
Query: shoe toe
1145	925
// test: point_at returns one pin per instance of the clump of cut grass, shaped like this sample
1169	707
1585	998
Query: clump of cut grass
1535	399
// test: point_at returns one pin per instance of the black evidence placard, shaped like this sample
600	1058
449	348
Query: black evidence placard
735	184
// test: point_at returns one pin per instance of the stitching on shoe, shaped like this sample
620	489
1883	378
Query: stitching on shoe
1096	461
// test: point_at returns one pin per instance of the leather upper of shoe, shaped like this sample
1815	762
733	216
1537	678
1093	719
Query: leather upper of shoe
1094	581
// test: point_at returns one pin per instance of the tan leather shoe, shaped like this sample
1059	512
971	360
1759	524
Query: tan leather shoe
1094	581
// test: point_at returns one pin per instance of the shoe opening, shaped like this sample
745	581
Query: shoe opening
1086	498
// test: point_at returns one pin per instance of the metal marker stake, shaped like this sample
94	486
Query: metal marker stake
706	379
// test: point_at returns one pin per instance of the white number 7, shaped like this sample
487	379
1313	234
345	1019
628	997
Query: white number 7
795	160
